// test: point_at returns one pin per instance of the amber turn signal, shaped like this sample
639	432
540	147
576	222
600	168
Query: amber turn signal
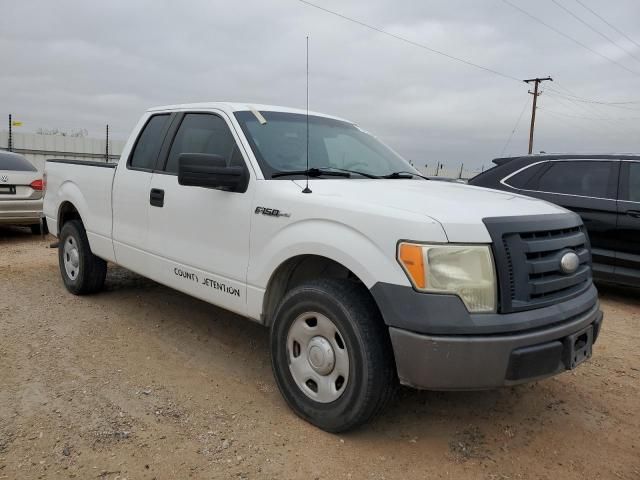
411	258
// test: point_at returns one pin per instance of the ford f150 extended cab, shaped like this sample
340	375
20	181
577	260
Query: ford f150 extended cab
366	273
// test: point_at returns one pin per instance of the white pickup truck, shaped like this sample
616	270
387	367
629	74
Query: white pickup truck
367	273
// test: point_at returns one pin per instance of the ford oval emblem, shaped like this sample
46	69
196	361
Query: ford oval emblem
569	263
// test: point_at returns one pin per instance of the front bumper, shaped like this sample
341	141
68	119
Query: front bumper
446	354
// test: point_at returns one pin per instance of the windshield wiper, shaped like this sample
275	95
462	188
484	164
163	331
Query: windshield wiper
368	175
312	172
404	174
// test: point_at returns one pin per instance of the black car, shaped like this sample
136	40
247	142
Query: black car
603	189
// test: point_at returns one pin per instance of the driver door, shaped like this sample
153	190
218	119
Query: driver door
199	237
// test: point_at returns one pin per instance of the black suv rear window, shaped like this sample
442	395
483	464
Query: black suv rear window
523	178
634	182
584	178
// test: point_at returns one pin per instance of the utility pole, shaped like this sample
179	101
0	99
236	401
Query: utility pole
536	82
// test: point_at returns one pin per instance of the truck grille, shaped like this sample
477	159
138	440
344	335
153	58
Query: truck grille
528	251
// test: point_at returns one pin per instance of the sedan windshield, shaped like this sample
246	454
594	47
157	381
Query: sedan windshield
280	145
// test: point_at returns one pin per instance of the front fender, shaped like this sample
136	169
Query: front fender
337	241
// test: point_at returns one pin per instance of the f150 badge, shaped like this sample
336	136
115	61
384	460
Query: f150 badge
270	212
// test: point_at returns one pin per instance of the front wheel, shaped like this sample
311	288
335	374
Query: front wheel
82	272
331	354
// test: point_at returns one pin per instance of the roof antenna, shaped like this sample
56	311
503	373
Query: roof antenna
306	188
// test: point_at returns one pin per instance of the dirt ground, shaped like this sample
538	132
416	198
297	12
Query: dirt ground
144	382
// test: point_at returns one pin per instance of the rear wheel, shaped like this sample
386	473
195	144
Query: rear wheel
82	272
331	354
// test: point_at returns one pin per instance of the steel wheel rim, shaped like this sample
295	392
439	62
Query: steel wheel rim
71	258
318	357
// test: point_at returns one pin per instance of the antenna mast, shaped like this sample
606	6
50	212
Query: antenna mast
306	188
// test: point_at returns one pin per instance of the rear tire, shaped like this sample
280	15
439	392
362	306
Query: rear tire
82	272
354	377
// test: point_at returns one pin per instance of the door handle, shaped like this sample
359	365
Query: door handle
156	197
634	213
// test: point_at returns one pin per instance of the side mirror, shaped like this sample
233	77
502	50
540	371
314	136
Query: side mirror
211	171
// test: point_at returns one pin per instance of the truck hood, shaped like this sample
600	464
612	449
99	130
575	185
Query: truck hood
459	208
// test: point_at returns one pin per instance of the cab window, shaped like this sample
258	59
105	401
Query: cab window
203	133
145	153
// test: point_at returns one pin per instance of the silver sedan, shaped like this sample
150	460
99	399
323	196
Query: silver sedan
21	192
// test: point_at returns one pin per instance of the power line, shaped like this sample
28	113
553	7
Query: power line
573	124
591	109
558	93
577	42
610	25
573	94
588	118
581	109
411	42
606	37
515	127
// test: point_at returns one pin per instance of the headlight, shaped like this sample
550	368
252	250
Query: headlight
463	270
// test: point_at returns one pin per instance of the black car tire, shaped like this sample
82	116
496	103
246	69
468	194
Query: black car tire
91	270
371	377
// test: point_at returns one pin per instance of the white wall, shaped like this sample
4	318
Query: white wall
37	147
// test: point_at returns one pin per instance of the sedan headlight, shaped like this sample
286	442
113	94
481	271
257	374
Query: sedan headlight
464	270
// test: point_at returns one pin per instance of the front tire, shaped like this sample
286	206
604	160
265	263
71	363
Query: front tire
82	272
331	354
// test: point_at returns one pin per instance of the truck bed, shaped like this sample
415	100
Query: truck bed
87	186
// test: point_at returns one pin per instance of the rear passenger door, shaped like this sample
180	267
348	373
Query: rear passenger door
628	234
589	188
199	237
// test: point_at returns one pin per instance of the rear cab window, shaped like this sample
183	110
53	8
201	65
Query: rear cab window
147	148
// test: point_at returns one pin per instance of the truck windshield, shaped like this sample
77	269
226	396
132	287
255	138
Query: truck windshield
280	145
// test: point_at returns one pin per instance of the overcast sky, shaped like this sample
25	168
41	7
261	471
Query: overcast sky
74	64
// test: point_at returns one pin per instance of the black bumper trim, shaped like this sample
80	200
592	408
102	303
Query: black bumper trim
437	314
476	362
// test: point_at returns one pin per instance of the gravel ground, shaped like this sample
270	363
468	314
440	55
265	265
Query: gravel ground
144	382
